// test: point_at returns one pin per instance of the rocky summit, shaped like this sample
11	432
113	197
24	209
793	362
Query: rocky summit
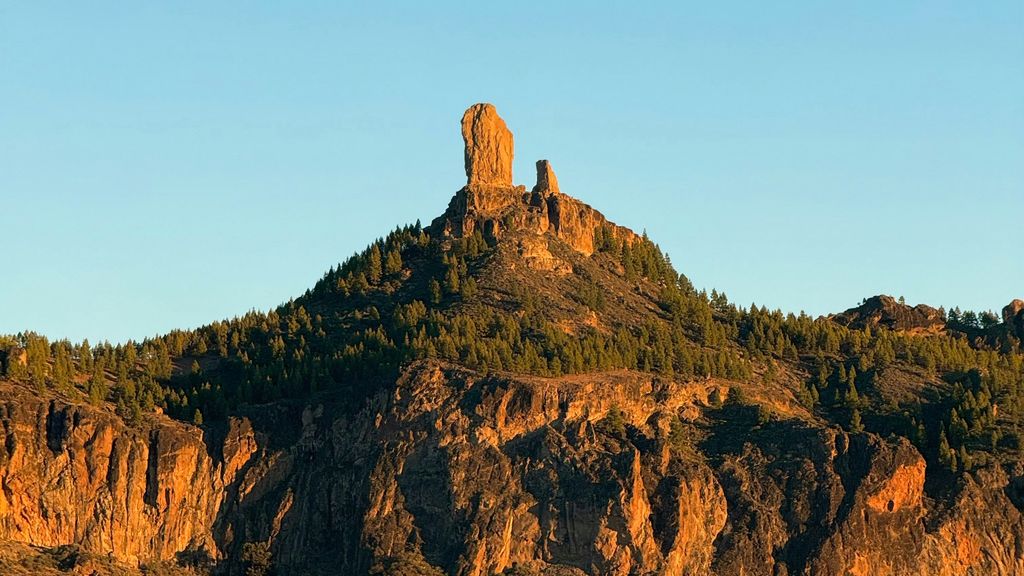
492	205
887	312
520	388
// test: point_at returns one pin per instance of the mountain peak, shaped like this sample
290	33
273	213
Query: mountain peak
492	204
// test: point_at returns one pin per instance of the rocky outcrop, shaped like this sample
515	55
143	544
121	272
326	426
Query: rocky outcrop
885	312
529	478
477	474
547	183
491	204
489	148
1012	310
1013	317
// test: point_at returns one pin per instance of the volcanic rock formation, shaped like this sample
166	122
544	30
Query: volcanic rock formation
1013	317
491	204
547	184
886	312
449	467
489	148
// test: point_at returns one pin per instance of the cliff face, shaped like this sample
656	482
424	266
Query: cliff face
476	474
481	474
77	474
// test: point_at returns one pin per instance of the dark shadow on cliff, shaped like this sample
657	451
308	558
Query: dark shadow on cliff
784	467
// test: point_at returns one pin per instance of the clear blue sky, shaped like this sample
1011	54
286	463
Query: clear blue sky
164	165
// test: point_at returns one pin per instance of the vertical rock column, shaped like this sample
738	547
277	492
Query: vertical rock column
488	148
547	184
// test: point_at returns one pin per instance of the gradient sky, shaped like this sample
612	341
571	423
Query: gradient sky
164	165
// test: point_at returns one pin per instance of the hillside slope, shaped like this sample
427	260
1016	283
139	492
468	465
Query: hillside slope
524	387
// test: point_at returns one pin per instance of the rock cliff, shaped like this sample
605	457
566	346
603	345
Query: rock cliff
477	474
75	474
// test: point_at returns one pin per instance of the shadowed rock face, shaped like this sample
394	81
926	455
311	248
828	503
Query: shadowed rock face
884	311
1013	317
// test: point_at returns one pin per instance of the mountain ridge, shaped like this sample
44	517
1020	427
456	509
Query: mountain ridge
523	387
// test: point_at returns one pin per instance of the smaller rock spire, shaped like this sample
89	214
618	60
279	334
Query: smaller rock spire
547	183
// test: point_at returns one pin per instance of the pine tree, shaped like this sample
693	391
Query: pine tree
38	356
16	368
84	357
373	269
435	291
852	396
63	368
393	262
451	279
964	458
856	425
97	386
946	455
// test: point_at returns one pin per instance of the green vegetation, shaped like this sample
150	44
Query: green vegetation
404	564
614	423
256	559
408	297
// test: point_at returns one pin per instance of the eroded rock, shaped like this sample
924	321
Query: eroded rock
547	183
886	312
489	148
1012	310
78	475
492	205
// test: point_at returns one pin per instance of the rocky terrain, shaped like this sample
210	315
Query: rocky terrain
451	469
477	474
885	311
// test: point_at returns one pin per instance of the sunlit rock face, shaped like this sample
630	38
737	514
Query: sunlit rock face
77	474
492	204
489	148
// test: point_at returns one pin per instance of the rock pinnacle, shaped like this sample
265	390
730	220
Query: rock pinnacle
488	148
